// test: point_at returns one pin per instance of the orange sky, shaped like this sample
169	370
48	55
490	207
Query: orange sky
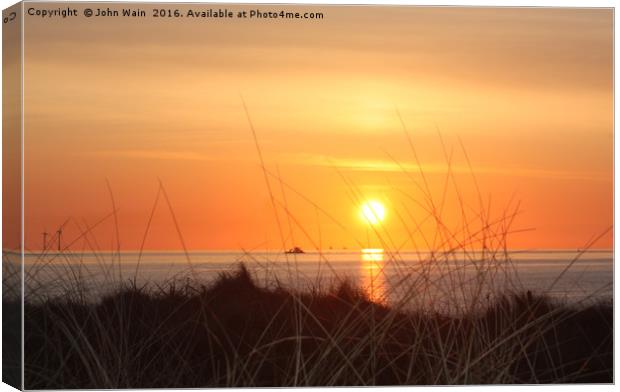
527	91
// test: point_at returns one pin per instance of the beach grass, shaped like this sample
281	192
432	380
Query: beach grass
233	333
457	316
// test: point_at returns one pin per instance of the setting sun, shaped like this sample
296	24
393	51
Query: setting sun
373	212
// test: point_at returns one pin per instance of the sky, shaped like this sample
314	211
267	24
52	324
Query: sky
136	132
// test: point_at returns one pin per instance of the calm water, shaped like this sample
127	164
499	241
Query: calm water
416	277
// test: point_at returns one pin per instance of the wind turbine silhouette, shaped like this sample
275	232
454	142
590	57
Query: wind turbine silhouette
59	232
45	233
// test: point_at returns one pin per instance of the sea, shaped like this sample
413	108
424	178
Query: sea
404	278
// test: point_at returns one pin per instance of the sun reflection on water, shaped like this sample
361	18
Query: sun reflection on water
373	274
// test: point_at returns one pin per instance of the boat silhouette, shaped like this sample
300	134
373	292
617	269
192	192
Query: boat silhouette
294	250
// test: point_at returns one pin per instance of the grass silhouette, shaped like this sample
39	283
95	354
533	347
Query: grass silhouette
235	333
458	316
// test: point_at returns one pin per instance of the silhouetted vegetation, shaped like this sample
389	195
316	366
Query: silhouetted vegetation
234	333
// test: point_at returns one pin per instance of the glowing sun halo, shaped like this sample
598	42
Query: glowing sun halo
373	212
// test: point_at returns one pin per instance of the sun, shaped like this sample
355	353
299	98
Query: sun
373	212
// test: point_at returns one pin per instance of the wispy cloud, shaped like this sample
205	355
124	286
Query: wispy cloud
379	165
154	154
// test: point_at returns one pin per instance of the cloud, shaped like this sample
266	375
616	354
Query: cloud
379	165
155	154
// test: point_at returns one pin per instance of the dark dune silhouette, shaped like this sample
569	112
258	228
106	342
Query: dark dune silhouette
234	333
